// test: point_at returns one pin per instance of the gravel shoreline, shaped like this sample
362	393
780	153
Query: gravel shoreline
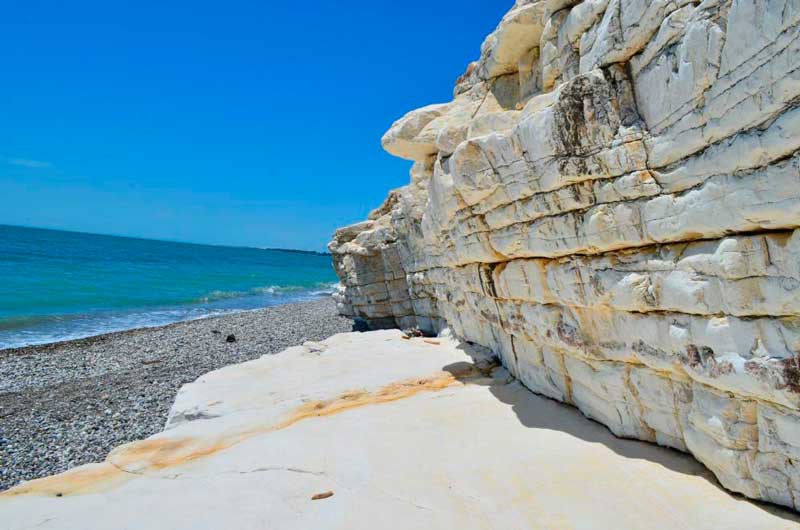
70	403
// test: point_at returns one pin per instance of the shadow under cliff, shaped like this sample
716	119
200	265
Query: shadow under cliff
538	412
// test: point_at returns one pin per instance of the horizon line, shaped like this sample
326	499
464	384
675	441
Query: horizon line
275	249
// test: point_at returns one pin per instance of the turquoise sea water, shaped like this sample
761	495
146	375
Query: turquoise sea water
58	285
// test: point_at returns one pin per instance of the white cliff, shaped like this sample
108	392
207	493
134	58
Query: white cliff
611	205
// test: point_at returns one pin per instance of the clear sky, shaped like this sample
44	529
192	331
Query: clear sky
251	123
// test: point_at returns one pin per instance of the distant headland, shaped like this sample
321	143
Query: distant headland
296	251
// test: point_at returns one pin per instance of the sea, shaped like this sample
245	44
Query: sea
57	285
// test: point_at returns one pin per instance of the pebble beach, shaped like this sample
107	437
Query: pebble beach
70	403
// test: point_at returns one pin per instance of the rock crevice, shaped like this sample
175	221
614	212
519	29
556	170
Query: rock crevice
611	204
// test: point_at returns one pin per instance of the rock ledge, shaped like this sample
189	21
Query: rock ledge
371	427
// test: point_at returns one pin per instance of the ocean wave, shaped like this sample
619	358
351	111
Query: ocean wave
20	322
20	332
329	289
290	291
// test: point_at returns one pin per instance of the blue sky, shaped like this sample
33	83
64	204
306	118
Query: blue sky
241	122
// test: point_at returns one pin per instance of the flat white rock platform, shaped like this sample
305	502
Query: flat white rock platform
406	434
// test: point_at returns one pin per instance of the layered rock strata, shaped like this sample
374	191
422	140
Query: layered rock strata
611	204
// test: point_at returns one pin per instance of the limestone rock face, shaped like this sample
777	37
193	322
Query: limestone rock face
611	204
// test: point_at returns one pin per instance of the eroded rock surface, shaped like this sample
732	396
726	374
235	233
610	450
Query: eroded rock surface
367	430
611	203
